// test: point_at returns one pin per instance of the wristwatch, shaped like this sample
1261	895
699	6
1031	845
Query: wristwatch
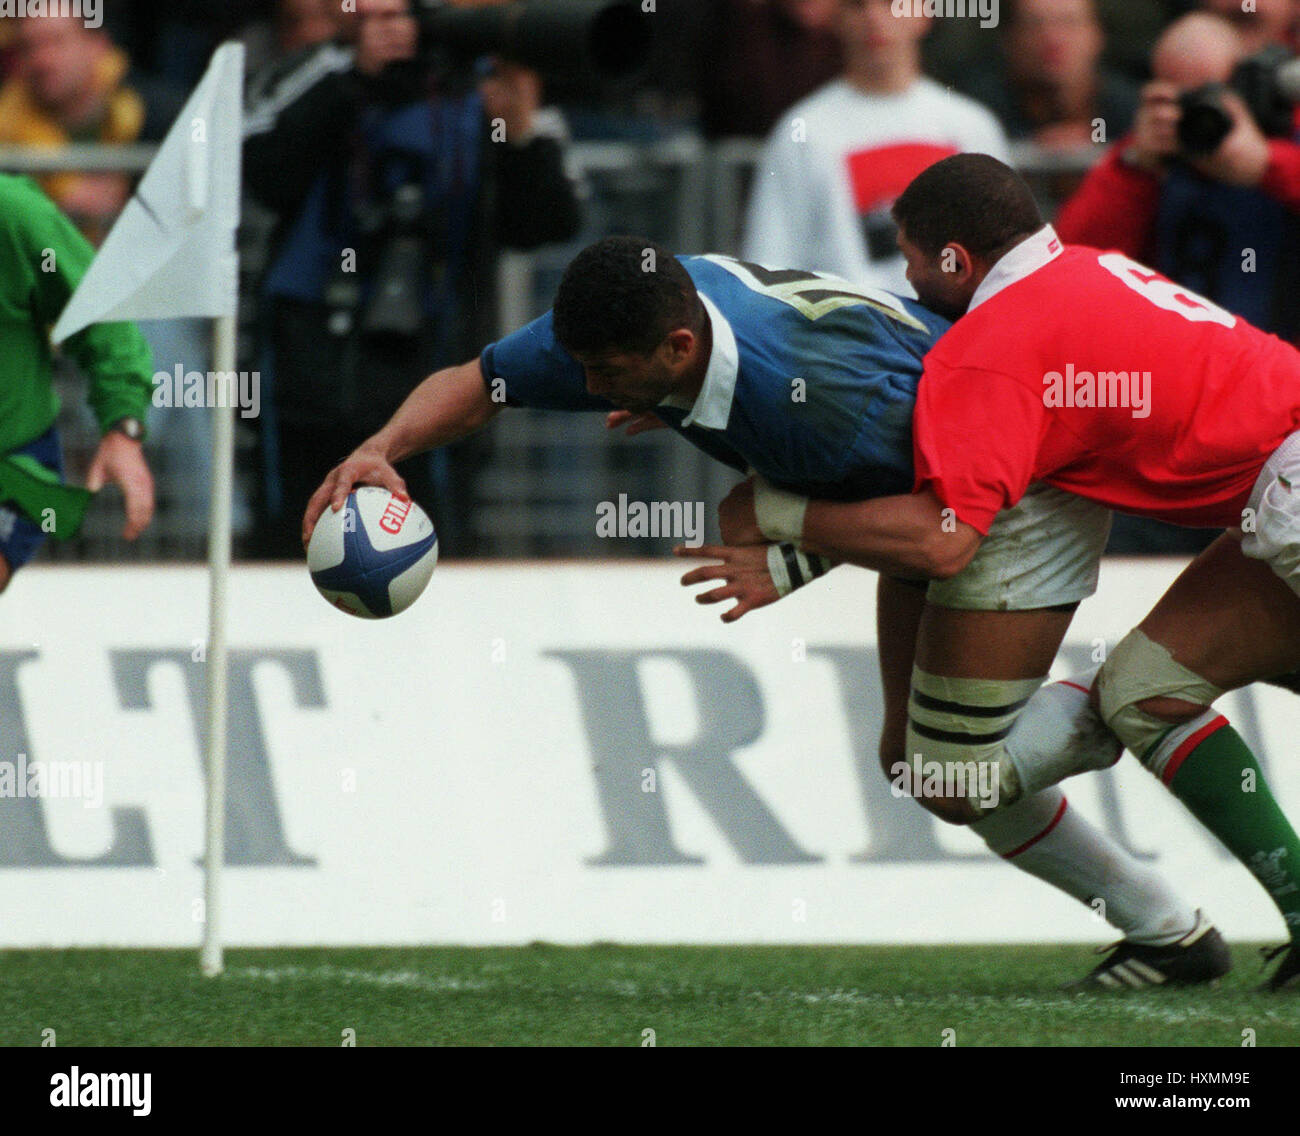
131	426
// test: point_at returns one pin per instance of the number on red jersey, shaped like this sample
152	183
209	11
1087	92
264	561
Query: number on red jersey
1165	293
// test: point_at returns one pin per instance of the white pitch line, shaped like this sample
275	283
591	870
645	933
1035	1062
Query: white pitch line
405	979
1068	1008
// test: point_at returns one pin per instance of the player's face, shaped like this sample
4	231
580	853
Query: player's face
938	286
629	380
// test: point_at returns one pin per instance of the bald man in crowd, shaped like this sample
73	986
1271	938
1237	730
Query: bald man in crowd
1219	223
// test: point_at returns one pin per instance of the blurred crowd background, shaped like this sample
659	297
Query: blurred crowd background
780	130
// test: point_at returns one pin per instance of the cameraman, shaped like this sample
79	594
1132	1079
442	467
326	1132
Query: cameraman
396	179
1224	224
1196	219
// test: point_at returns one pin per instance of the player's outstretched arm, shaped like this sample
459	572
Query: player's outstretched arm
908	535
448	405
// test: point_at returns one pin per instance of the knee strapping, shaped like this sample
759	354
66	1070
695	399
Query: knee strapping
1140	668
956	735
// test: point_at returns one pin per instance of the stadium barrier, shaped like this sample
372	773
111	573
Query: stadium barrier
565	752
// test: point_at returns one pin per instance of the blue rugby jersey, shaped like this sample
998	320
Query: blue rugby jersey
825	376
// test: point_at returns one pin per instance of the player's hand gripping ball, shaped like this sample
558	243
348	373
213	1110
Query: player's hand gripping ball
375	555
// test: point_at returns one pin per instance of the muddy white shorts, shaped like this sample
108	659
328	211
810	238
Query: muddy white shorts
1044	552
1271	526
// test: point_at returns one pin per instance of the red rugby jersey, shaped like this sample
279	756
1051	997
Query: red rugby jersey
1096	374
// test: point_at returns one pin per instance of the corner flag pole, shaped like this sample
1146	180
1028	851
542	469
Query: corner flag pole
219	508
172	254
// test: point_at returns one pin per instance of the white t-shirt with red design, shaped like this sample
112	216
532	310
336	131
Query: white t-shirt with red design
838	160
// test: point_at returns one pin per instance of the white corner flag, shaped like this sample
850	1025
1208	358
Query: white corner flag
172	251
171	254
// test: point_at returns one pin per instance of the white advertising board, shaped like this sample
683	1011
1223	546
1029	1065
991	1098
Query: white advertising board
564	752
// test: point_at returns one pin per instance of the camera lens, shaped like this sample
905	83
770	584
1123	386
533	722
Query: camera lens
1204	123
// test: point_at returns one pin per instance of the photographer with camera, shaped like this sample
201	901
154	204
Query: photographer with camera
1200	182
397	171
1206	189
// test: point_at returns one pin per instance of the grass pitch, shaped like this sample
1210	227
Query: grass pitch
612	995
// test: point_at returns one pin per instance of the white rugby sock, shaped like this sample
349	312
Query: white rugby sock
1041	835
1059	734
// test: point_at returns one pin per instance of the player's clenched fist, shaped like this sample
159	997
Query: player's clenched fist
362	467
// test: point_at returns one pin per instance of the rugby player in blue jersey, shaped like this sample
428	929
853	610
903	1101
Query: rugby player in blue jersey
811	382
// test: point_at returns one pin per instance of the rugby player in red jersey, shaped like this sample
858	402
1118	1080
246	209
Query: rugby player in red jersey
1098	376
710	344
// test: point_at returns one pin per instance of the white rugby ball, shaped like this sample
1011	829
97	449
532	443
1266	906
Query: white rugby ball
375	555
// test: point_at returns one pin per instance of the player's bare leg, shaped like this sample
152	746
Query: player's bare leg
5	573
1040	834
974	672
1228	618
899	606
1227	621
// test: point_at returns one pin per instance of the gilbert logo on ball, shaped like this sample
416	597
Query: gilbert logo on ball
374	556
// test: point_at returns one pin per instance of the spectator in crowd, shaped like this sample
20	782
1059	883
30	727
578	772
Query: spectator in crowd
294	25
838	159
1259	23
174	39
73	84
44	261
394	187
759	57
957	50
1196	218
1224	224
1051	87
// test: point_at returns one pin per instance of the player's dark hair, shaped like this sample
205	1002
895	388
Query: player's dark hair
623	294
969	199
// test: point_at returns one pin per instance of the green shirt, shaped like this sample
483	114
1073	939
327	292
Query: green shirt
42	260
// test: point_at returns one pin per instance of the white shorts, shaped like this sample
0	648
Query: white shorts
1043	552
1273	513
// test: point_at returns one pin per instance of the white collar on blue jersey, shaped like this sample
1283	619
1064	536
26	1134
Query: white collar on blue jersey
1026	258
712	406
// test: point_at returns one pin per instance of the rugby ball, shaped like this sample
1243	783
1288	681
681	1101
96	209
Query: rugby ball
375	555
